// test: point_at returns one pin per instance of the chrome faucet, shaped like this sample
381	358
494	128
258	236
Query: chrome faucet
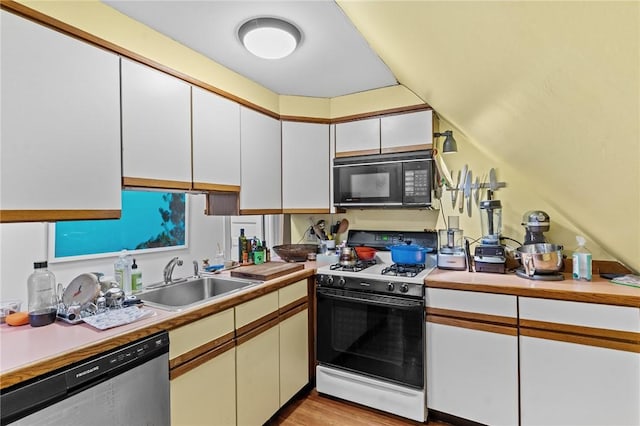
168	270
196	269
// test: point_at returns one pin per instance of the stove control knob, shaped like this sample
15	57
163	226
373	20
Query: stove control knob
330	280
404	288
391	287
341	282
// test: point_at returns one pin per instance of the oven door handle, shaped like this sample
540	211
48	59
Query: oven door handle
367	299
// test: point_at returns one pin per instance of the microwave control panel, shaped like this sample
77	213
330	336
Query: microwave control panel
417	182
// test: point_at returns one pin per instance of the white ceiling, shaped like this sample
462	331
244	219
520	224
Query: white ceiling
332	60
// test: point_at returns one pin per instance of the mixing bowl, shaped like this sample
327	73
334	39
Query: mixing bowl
542	258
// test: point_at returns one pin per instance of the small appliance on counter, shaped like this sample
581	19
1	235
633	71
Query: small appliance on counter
535	223
540	260
451	254
489	255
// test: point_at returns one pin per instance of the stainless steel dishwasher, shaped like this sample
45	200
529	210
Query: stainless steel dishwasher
126	386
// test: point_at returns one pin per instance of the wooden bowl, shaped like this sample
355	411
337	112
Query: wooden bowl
295	252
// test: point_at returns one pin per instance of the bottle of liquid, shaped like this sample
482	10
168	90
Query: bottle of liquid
581	261
258	253
136	278
267	252
242	247
42	301
122	271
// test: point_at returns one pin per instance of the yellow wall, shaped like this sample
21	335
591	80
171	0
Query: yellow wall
534	89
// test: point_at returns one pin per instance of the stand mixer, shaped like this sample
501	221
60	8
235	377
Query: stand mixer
489	256
541	260
451	254
535	222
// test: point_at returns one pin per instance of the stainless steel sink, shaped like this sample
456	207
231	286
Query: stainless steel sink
193	291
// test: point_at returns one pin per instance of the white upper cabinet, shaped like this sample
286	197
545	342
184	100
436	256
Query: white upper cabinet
216	142
60	127
305	167
358	137
260	154
406	132
156	128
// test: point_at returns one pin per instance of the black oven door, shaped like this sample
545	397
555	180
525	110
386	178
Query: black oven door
380	336
368	184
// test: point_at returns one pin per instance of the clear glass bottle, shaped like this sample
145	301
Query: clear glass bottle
122	271
42	300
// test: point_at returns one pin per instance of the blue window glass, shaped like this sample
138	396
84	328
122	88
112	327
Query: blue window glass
150	221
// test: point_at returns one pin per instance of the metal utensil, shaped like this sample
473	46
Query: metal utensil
493	182
467	192
463	181
454	191
476	193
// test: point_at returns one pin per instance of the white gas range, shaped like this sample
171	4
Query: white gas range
370	326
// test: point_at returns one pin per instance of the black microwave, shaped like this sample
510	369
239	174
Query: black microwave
383	180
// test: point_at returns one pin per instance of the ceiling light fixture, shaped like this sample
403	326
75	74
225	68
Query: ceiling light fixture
269	38
449	145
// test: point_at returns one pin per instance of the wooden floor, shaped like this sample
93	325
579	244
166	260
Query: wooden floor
314	409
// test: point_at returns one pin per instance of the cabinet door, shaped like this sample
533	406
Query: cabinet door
60	126
305	167
472	374
294	354
206	395
406	132
579	363
156	128
260	157
258	378
565	383
472	355
358	137
216	142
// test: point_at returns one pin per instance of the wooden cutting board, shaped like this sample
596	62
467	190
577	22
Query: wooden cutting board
266	271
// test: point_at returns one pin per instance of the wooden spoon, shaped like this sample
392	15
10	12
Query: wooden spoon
344	225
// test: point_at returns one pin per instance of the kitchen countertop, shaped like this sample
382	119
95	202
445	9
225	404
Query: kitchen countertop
27	352
599	290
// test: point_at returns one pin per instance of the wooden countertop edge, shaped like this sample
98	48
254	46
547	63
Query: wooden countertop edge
28	371
541	293
177	319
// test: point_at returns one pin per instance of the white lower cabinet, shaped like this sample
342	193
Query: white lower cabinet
472	356
257	374
206	395
578	363
294	340
203	371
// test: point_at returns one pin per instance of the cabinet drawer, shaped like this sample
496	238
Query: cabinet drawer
580	314
292	293
257	310
199	333
467	301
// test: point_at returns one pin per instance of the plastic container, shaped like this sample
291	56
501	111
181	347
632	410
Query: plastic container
581	261
122	271
136	278
42	302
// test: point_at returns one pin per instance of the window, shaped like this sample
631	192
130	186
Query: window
150	221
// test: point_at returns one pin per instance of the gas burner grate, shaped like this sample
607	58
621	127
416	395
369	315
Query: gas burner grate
357	267
403	270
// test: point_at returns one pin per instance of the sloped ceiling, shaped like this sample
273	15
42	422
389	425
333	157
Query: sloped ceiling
546	91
